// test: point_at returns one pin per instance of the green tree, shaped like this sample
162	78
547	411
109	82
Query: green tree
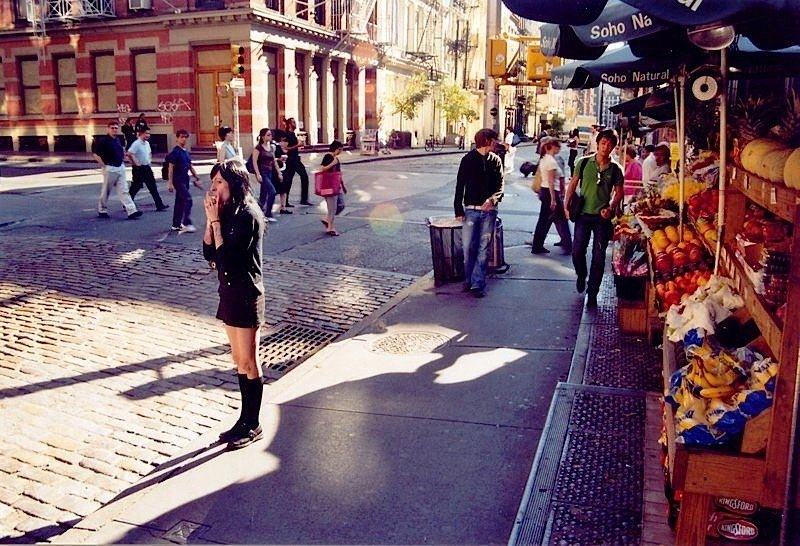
456	103
407	100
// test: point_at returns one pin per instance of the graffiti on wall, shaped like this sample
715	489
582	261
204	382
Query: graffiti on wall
123	112
167	109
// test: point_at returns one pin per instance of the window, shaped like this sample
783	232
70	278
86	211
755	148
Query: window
144	73
29	79
67	84
301	9
21	9
105	82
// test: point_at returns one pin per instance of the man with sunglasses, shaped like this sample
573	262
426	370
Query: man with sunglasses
601	185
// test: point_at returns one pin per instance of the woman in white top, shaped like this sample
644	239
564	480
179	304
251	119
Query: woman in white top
226	149
551	195
511	150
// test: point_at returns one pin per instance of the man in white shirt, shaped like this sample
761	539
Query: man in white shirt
140	155
648	162
591	148
661	161
511	150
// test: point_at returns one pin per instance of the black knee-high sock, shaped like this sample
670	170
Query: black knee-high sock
242	388
255	390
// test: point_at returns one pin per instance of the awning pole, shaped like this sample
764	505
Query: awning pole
723	153
682	144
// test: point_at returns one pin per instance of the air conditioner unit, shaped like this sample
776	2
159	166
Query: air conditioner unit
140	4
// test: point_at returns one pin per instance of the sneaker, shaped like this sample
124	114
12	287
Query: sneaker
135	215
289	206
478	293
580	284
542	250
188	229
103	215
271	219
306	204
162	207
176	228
245	437
285	211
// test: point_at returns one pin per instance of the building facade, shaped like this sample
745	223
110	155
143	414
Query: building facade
69	66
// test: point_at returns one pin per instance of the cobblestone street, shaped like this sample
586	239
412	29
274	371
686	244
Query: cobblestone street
111	361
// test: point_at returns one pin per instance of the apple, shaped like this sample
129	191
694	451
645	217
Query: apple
663	262
695	254
679	258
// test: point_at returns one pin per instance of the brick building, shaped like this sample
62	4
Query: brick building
69	66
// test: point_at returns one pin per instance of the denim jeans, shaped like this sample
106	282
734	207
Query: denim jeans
181	214
600	230
476	237
266	193
548	218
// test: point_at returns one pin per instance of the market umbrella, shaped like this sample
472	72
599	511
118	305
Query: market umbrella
621	68
618	22
575	12
657	105
747	59
704	12
561	41
571	76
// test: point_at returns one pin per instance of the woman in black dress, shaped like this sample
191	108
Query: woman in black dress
232	242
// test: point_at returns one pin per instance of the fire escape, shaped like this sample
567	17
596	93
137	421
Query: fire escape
66	11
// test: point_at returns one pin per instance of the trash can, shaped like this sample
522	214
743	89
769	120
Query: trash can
446	249
496	262
448	252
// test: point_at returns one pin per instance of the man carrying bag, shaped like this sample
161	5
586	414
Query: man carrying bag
601	183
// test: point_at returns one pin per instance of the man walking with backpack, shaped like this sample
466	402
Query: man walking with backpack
110	154
600	181
140	155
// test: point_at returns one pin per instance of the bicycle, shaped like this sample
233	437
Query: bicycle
432	143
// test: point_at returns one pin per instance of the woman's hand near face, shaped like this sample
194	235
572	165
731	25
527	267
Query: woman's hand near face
211	208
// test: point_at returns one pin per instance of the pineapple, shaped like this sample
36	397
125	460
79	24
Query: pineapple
788	130
756	117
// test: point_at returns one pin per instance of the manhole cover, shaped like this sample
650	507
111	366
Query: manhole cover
406	343
288	345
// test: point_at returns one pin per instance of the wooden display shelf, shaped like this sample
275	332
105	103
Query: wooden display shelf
776	198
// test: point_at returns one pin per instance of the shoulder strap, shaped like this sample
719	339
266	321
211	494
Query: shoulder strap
584	161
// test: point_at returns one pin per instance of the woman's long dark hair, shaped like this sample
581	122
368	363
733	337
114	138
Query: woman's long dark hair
234	173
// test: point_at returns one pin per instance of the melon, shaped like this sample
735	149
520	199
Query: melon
753	153
772	165
791	170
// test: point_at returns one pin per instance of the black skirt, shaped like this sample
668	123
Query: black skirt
241	311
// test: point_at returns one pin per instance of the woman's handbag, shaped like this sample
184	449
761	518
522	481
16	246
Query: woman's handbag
327	183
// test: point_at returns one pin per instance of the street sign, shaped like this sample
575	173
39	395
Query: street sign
493	111
236	83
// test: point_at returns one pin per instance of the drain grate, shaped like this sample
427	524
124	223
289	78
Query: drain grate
288	344
407	343
584	525
181	532
586	482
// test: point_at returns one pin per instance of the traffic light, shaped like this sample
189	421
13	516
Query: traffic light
237	60
498	57
535	64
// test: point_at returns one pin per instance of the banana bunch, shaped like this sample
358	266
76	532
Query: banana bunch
713	375
672	190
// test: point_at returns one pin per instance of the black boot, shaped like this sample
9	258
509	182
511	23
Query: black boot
234	431
250	431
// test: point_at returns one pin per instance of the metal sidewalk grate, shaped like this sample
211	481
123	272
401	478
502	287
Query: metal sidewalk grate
586	482
289	344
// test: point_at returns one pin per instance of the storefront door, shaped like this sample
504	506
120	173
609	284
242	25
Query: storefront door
214	108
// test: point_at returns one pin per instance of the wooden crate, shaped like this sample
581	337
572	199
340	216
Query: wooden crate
632	317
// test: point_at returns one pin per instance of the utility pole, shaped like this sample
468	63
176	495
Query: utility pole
491	108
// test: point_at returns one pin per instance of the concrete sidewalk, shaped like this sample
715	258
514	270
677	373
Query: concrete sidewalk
419	427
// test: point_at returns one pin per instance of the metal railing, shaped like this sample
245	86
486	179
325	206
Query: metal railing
68	10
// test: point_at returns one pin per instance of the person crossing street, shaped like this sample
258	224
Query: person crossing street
110	154
180	164
293	163
140	156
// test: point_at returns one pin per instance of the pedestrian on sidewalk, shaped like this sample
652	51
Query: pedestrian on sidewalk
180	164
550	195
233	244
128	132
266	172
601	184
280	183
511	150
334	203
110	154
572	145
227	150
462	136
140	156
294	164
479	188
141	124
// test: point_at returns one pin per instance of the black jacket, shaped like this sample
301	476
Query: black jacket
479	178
238	259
